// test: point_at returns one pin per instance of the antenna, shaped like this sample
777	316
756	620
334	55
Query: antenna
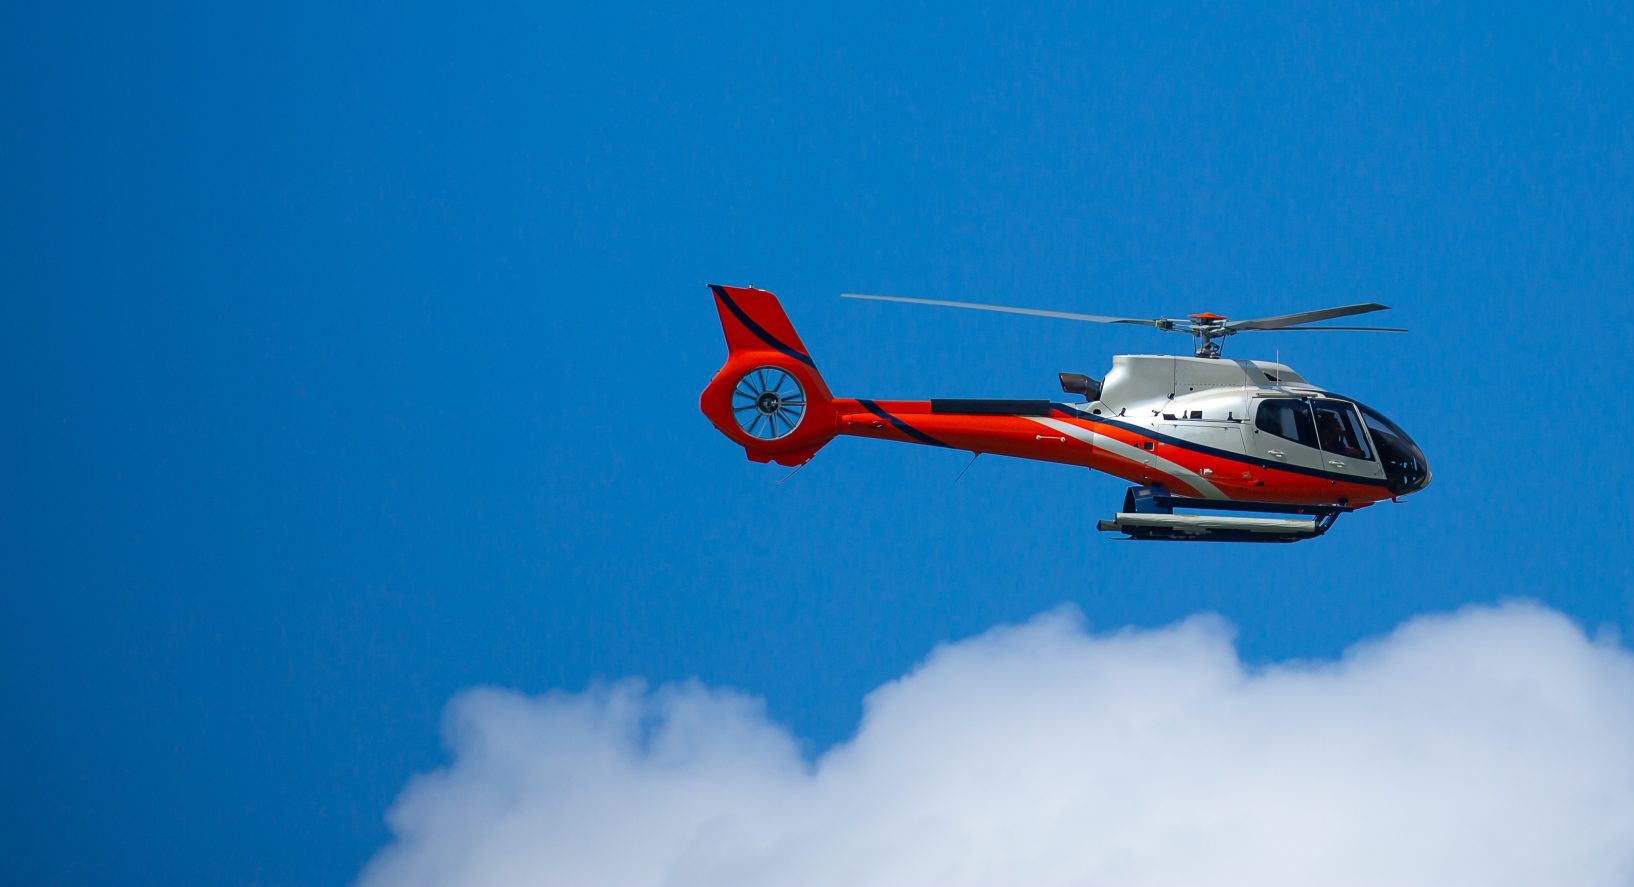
796	470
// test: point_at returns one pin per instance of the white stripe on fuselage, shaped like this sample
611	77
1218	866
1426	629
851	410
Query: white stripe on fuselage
1133	454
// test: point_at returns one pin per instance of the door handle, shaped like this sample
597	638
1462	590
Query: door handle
1277	453
1336	463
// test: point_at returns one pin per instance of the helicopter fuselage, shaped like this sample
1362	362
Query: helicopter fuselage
1205	428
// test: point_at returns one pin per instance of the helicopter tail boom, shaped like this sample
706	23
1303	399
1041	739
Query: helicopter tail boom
769	396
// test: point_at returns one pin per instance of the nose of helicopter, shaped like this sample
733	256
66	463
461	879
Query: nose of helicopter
1405	466
1406	470
1423	480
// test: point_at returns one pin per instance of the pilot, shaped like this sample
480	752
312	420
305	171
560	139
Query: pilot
1334	437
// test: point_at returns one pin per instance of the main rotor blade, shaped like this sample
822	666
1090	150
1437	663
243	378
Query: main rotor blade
1005	309
1317	329
1287	320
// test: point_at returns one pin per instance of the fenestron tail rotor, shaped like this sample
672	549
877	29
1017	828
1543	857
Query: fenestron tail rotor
768	403
1204	328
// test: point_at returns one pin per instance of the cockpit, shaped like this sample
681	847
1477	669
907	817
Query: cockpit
1333	425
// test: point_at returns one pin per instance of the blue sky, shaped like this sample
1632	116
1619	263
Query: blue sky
355	359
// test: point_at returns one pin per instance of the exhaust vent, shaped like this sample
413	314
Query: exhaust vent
1077	383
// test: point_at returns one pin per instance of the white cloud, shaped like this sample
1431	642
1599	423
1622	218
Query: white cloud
1489	747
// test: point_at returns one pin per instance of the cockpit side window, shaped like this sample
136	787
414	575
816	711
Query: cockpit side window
1340	430
1287	417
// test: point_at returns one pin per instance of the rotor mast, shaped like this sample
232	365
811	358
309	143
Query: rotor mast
1205	328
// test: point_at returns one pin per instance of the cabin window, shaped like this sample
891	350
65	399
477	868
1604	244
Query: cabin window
1339	430
1289	418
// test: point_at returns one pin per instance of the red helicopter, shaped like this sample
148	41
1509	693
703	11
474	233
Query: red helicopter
1195	434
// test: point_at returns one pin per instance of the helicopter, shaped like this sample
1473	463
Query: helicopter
1196	435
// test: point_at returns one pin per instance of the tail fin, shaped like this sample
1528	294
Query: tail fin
769	396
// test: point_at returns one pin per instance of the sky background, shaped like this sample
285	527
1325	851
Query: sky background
354	357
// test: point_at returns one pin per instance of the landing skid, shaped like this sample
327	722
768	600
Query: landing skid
1148	514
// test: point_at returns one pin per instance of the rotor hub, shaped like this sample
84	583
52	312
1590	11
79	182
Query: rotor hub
1205	328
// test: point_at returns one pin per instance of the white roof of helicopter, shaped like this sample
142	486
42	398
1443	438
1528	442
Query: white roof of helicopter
1143	378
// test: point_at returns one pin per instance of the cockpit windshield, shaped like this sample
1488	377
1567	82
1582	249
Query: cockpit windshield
1404	463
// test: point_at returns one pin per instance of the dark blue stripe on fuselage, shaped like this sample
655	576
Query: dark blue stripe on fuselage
1222	454
759	331
902	426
